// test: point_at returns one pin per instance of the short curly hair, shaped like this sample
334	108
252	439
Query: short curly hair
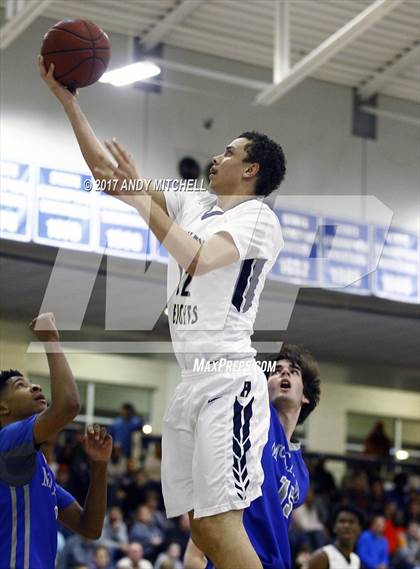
270	156
310	375
5	375
348	509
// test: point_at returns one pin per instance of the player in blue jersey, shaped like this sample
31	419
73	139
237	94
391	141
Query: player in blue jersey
294	393
30	499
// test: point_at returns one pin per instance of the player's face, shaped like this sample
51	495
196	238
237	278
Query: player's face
285	386
230	169
347	528
21	399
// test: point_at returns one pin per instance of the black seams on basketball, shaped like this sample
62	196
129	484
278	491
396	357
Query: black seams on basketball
80	51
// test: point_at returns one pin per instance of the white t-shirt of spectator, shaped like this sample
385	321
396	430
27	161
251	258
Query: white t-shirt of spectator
212	316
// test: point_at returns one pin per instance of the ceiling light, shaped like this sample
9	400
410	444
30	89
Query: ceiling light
130	73
147	429
402	454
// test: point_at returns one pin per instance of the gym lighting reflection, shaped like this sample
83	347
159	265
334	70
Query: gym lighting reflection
131	73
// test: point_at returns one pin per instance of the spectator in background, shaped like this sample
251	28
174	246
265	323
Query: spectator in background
307	523
323	480
180	533
377	443
398	494
356	491
146	532
101	559
394	529
77	551
153	461
134	559
172	554
372	547
124	426
114	534
117	469
377	497
408	556
158	517
413	510
303	556
136	491
75	456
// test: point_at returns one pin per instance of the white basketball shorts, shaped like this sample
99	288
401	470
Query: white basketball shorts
213	435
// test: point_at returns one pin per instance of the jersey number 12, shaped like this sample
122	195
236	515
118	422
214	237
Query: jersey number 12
184	283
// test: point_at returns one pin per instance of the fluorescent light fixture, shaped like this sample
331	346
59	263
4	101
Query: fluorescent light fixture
130	73
402	454
166	312
147	429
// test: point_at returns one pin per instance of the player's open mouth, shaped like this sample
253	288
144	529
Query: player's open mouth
285	384
41	398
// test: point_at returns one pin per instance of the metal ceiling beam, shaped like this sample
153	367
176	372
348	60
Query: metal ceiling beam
408	119
411	57
175	17
210	74
21	19
281	61
327	49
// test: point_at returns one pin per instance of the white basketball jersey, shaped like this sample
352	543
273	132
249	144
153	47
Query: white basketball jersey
337	560
211	316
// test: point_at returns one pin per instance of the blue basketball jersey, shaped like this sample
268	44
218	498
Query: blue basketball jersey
286	482
29	501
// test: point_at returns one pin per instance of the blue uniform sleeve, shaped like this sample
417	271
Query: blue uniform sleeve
64	498
17	434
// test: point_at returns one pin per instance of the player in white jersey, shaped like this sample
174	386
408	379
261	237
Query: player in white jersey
222	246
347	525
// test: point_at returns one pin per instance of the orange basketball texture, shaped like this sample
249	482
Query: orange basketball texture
80	51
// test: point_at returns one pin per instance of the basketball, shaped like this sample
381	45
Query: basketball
80	51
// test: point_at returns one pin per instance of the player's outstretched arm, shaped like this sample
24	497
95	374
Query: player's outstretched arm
65	403
93	151
88	521
195	259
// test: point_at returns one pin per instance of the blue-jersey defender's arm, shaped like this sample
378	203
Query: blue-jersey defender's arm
65	403
88	520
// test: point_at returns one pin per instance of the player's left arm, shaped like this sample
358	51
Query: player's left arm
318	560
88	521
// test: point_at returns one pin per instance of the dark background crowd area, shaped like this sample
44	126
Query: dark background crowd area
138	535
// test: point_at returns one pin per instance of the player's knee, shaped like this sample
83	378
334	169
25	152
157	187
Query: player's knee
206	532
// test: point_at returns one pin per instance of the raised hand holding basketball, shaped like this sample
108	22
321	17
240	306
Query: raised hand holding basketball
63	94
